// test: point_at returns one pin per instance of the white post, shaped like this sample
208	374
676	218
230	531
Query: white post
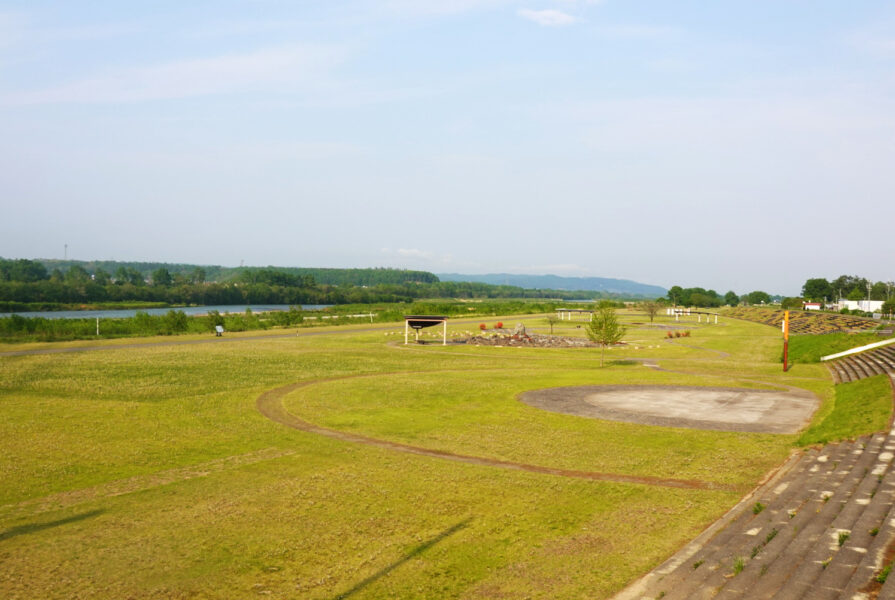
716	319
699	318
97	326
444	334
406	329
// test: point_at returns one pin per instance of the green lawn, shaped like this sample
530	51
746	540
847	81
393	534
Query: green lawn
148	472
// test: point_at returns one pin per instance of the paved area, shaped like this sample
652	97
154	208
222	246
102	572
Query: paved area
824	528
720	409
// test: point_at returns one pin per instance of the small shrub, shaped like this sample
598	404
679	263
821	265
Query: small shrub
884	574
669	334
874	531
677	334
687	333
757	508
738	565
697	564
483	327
499	325
843	537
771	535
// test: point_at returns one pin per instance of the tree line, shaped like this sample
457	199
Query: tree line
25	283
849	287
702	298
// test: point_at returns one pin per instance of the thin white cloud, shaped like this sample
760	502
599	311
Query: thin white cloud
547	17
285	67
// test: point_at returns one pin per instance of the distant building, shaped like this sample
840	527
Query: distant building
870	306
812	305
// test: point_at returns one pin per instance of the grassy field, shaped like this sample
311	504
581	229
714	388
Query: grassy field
148	472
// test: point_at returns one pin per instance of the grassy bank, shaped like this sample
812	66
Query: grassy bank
147	471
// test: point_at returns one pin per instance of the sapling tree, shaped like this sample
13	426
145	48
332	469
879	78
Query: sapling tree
552	320
650	308
604	329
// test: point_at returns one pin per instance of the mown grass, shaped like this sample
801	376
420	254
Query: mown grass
860	408
328	518
810	348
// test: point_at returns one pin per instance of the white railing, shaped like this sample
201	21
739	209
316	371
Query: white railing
858	349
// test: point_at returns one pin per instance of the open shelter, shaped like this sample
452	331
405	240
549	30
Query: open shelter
417	322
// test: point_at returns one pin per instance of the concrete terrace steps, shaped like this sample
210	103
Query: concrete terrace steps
866	364
822	534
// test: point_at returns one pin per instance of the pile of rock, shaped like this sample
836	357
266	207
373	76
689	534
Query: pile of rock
533	340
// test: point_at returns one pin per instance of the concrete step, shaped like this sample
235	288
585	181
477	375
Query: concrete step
685	578
836	545
843	570
742	536
773	568
761	557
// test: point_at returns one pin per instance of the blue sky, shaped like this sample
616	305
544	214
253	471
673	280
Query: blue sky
731	145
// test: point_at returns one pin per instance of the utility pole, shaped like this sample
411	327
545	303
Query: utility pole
66	252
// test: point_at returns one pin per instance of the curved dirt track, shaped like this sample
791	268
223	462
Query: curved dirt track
270	404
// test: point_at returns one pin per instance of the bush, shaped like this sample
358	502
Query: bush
483	327
499	325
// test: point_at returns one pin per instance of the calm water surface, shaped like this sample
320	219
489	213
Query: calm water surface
130	312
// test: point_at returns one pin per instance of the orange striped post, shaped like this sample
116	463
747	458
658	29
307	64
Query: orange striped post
785	340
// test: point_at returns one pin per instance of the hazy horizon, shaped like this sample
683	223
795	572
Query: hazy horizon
726	145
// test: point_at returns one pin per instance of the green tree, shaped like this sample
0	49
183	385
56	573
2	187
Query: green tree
604	328
846	284
791	304
879	291
758	297
817	289
161	277
552	320
888	308
731	298
675	294
101	277
857	294
76	274
650	308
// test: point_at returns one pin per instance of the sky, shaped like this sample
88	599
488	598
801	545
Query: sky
726	145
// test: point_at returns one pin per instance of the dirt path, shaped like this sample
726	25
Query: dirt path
270	404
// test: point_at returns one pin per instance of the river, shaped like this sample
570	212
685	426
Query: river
130	312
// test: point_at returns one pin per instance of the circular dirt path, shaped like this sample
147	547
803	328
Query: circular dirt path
270	404
714	408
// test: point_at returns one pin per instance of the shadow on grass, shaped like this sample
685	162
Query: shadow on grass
412	554
35	527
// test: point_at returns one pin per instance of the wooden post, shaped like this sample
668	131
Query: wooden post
785	340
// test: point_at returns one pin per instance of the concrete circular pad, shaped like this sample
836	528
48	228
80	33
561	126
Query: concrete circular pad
720	409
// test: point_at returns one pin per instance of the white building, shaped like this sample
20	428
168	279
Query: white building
870	306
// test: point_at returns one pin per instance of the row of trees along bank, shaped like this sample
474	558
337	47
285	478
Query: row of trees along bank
24	282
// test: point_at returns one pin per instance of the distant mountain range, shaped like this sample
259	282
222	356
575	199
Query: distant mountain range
555	282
